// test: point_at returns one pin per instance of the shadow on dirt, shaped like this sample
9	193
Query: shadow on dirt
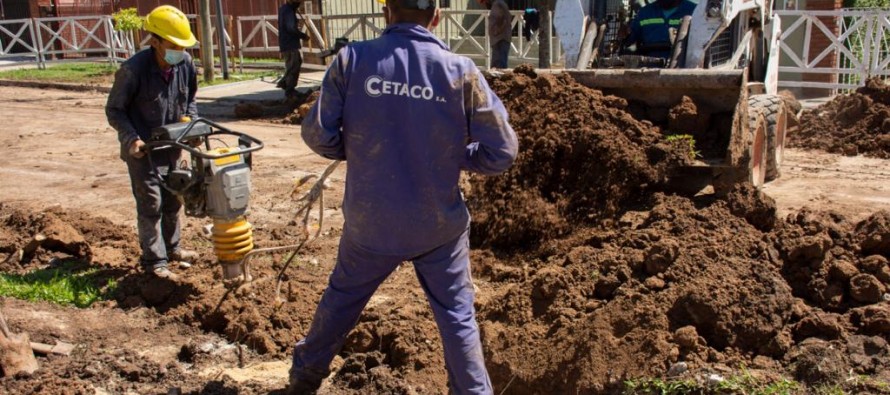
223	388
142	289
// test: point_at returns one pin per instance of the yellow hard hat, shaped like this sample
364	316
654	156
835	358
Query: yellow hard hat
172	25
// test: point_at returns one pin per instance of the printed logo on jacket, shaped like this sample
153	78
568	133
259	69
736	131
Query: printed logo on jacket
376	86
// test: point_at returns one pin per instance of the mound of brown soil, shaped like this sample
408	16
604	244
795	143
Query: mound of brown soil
305	104
288	111
853	124
26	235
589	292
687	282
68	234
582	158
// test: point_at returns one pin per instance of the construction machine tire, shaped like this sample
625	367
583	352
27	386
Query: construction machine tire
756	166
774	112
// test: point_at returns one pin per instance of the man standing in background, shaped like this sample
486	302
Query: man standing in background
289	43
500	31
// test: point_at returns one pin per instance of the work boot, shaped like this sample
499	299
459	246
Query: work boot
164	272
183	255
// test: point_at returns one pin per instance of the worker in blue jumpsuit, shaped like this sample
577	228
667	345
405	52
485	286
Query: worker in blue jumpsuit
153	88
408	116
650	28
290	43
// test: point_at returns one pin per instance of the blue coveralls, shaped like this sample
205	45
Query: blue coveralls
650	28
289	43
402	109
141	99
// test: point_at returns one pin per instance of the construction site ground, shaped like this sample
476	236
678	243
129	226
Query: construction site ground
59	156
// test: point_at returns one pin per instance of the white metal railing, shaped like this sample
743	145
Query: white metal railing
259	34
79	35
858	47
17	39
465	32
58	39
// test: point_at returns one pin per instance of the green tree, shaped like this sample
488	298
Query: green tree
867	3
127	20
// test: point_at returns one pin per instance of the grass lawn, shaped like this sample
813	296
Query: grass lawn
65	72
103	74
63	285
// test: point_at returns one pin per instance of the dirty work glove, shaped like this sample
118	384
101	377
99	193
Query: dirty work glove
137	149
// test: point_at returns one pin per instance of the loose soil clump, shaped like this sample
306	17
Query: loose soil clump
288	111
582	158
853	124
633	282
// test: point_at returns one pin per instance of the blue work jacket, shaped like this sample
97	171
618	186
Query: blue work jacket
407	115
289	34
141	100
649	29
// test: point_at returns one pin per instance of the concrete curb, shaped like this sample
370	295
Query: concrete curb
55	85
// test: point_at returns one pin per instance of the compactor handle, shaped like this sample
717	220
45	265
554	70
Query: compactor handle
215	130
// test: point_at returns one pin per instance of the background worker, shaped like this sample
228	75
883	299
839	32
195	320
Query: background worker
650	28
289	43
500	31
155	87
401	109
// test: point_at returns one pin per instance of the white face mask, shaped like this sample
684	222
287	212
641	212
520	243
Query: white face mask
174	57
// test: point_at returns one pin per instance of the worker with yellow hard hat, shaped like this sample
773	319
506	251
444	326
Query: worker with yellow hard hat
155	87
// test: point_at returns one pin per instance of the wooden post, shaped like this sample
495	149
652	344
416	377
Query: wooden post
206	40
229	28
546	36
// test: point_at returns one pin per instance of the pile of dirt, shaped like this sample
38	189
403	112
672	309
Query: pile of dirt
858	123
118	372
582	159
289	111
599	276
31	238
305	104
687	281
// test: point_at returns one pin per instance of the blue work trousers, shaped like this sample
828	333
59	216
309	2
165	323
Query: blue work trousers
500	52
444	274
157	209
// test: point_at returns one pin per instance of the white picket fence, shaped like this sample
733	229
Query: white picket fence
48	40
858	41
859	47
465	32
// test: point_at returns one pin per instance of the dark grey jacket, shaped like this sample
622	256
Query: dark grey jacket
289	35
141	100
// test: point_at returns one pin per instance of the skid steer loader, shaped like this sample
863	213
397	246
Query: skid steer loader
724	57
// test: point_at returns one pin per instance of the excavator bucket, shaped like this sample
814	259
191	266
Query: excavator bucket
718	90
715	114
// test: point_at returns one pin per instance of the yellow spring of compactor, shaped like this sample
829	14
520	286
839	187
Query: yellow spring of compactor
232	239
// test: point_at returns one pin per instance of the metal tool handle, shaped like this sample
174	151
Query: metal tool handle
216	129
